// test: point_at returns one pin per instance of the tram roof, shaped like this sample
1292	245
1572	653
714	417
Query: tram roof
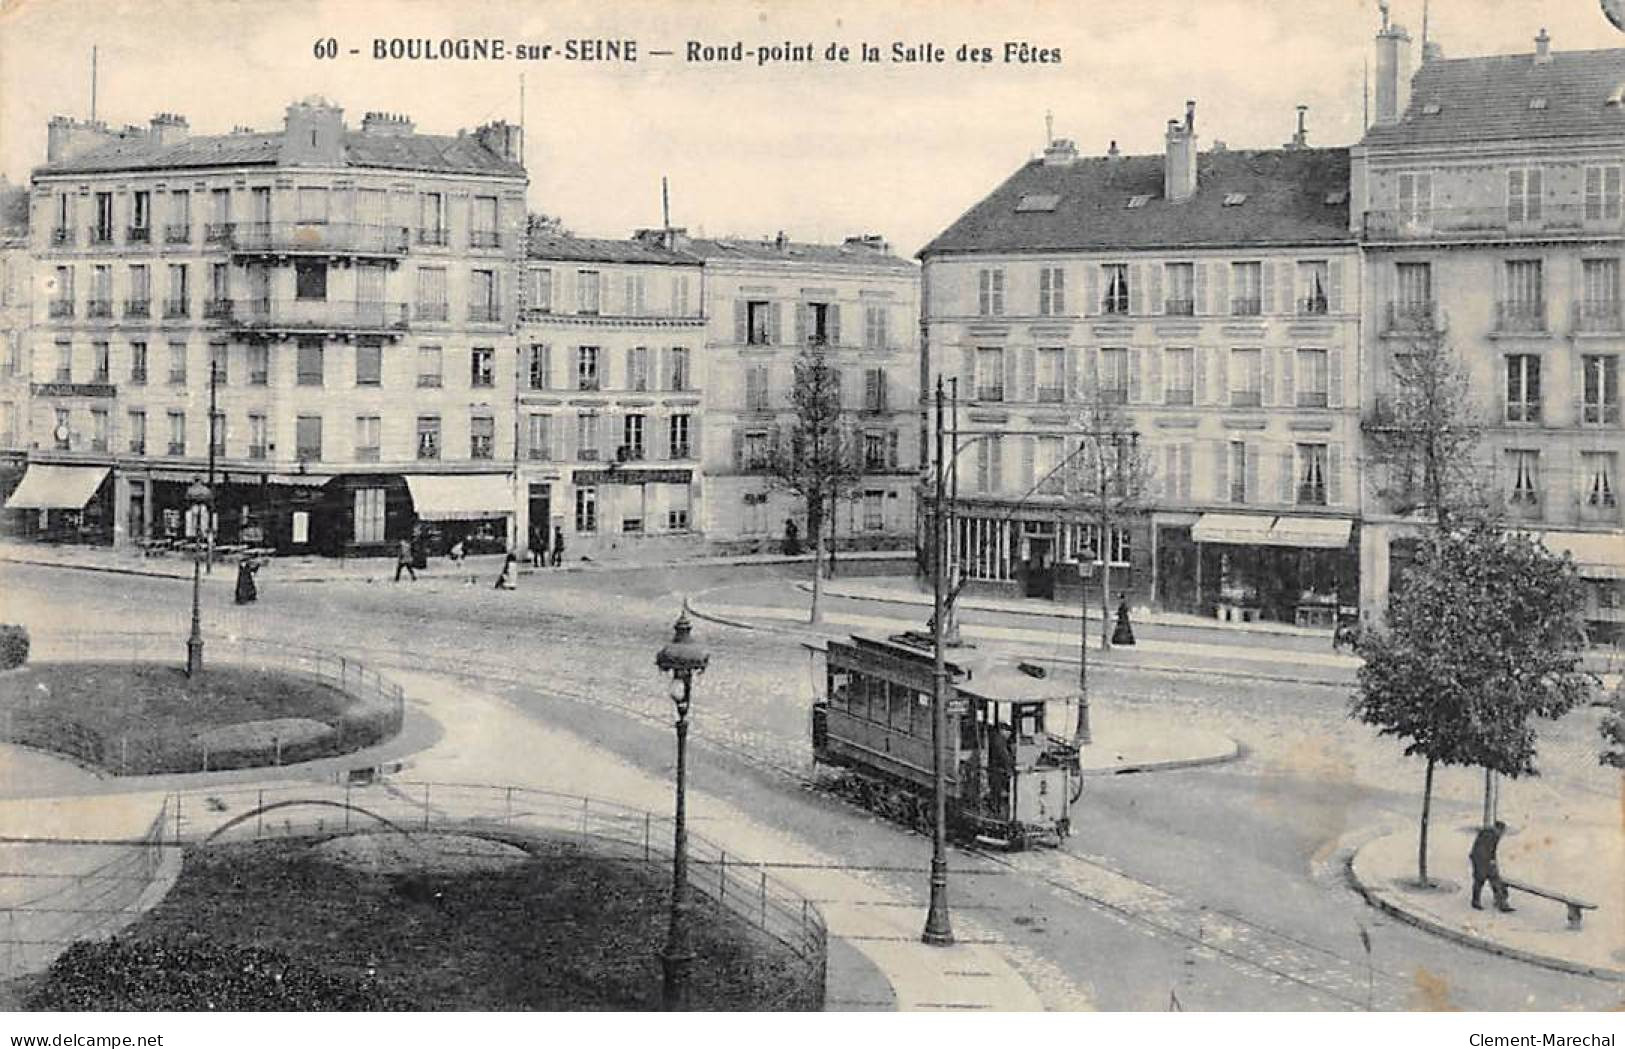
982	675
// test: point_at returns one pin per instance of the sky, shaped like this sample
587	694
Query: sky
821	149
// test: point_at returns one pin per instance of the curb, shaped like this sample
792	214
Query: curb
1379	899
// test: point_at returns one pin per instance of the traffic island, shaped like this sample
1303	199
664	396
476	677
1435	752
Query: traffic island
419	920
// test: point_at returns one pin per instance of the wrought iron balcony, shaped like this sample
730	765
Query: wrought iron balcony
138	235
217	309
1489	223
484	313
177	308
1179	307
59	308
431	311
218	232
1593	317
352	238
99	308
1420	317
1520	317
138	307
178	233
484	238
99	235
1246	307
296	315
438	238
63	238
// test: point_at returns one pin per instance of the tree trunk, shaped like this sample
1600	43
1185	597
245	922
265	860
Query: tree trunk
1105	580
1422	838
834	519
818	576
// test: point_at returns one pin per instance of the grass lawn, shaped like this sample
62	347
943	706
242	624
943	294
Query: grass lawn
136	718
289	926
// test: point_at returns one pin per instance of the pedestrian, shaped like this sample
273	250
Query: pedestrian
1487	869
403	560
1123	633
558	546
505	578
538	545
247	592
455	554
792	538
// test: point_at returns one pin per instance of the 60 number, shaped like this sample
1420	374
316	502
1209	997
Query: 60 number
328	48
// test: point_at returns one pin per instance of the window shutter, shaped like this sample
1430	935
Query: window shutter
775	317
1221	376
659	441
1012	373
1091	373
891	449
1199	291
565	445
1533	195
851	388
629	379
1266	292
1289	288
1091	290
739	450
1156	288
801	324
883	403
1266	386
1170	472
1334	378
696	449
575	368
967	373
1153	374
1029	376
1184	471
1029	452
871	389
1253	456
1058	290
1284	481
995	458
1289	365
662	379
741	333
1136	289
1134	356
1199	394
1221	471
1069	374
1334	474
1221	288
834	324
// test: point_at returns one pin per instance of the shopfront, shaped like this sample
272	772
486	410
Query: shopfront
61	503
1246	567
474	509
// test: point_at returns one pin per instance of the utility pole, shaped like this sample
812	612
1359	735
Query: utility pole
938	929
214	422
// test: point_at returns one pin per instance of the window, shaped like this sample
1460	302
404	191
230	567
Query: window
637	368
310	362
368	429
1246	282
139	304
369	515
310	280
1523	388
1114	375
219	290
758	323
1600	386
874	451
101	292
180	217
64	361
308	438
1599	305
484	232
678	429
259	364
990	374
99	361
1236	469
679	368
482	437
587	436
874	510
587	368
260	204
369	364
1523	195
757	453
1051	291
1246	378
1048	453
1313	295
428	437
632	436
140	214
632	294
586	509
989	460
432	293
220	363
1414	287
1524	308
312	204
1051	375
1597	473
258	446
875	333
136	420
679	296
1179	376
62	303
177	364
1180	293
1602	192
678	500
482	296
431	219
102	232
756	389
428	367
482	367
99	428
819	320
541	365
990	292
587	292
540	431
1416	198
138	364
1313	379
1116	282
1312	474
1523	468
541	290
177	433
874	390
178	303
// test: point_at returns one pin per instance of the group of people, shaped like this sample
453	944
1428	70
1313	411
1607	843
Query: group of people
543	552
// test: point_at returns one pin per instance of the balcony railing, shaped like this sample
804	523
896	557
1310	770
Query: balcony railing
1488	223
217	309
138	447
177	308
1046	395
99	235
1179	307
1311	495
138	376
1520	317
138	235
1411	317
63	238
1312	399
1316	306
359	238
138	307
1599	413
1591	317
1246	398
990	393
431	311
1246	307
1173	395
484	238
367	454
177	447
484	313
99	308
218	232
315	315
61	308
178	233
434	237
256	451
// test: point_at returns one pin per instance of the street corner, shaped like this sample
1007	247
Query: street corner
1539	930
1127	741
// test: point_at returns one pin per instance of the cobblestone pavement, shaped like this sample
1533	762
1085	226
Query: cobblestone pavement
1212	888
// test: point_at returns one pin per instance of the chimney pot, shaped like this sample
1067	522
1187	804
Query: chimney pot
1543	47
1190	114
1111	151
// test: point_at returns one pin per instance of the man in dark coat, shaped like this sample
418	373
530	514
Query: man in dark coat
558	546
538	545
403	561
1485	867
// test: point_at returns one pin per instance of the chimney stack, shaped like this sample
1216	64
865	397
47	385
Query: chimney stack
1112	150
313	133
66	137
1179	165
166	129
1393	73
504	139
1060	152
1300	137
386	124
1543	48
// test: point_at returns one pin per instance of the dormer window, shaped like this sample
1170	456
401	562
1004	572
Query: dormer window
1537	103
1038	202
1337	196
1139	200
1431	109
1232	200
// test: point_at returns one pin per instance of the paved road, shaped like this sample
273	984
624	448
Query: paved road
1218	888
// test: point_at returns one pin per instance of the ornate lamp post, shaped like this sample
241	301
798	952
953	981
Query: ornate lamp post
684	660
200	498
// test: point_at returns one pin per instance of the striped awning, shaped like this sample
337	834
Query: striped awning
460	497
1600	555
49	487
1236	529
1324	533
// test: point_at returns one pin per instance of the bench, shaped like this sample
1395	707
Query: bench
1577	907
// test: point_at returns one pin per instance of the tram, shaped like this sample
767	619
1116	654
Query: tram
1010	782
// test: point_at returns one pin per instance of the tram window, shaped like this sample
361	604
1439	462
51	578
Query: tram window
840	685
1028	724
902	708
922	715
875	698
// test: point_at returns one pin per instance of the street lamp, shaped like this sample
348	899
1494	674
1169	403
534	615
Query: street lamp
683	659
200	498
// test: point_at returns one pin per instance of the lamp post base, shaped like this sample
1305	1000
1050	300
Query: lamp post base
194	656
938	929
674	987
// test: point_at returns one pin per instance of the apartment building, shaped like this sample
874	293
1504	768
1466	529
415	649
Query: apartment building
1488	202
16	284
1207	303
766	301
610	395
322	316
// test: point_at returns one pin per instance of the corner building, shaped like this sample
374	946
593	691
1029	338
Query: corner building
1211	298
345	294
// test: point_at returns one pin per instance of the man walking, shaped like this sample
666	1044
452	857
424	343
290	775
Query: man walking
403	559
558	546
1486	869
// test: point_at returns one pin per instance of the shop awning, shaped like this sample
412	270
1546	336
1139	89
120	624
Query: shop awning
1327	533
1240	529
452	497
46	487
1600	555
298	480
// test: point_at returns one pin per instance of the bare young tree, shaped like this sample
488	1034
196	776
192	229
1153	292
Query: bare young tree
1109	478
817	457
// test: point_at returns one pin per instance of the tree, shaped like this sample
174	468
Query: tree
541	225
819	458
1487	633
1612	730
1109	479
